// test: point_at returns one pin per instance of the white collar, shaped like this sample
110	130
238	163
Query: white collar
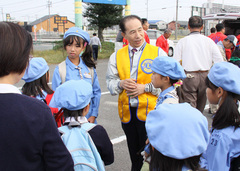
9	88
81	119
130	47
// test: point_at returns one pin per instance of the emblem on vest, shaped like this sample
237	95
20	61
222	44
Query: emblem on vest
146	66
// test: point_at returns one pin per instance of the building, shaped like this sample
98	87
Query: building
162	25
57	24
180	25
214	8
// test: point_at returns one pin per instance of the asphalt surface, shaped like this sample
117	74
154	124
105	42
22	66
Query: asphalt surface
108	118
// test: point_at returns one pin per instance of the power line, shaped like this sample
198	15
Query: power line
14	3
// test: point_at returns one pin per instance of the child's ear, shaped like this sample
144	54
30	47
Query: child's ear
167	79
86	109
219	91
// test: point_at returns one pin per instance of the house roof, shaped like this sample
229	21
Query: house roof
44	18
153	21
41	19
180	22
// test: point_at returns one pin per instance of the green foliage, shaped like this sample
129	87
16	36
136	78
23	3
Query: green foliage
107	50
103	16
58	45
59	54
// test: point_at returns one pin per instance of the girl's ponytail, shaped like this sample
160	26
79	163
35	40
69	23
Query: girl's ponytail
227	114
87	56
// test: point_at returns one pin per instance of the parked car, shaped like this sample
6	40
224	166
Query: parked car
231	21
154	34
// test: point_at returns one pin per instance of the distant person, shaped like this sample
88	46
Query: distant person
79	65
223	88
162	41
238	37
178	135
119	37
129	76
145	26
235	58
197	54
75	110
29	136
227	43
95	43
119	41
212	31
220	36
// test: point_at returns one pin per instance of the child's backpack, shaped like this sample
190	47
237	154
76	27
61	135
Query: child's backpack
63	70
79	143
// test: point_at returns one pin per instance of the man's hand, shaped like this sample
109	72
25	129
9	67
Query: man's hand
128	84
137	91
91	119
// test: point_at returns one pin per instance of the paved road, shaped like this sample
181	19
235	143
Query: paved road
108	117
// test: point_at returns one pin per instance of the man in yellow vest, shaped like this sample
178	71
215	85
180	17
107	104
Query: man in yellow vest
129	75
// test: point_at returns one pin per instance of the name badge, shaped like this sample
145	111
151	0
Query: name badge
87	75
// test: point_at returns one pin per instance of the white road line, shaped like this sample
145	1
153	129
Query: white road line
118	140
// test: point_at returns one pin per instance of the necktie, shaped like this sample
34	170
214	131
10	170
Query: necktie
80	72
133	52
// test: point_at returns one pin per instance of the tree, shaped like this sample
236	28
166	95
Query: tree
103	16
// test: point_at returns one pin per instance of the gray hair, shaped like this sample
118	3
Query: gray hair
168	31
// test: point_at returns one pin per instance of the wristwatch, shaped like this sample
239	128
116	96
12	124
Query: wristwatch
147	89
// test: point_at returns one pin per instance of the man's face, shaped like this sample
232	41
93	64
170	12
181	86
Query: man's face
228	45
223	30
134	32
146	25
167	35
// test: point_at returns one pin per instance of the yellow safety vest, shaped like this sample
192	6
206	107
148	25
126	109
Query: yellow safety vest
146	101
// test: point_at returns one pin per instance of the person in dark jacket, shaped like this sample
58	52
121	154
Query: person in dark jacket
29	136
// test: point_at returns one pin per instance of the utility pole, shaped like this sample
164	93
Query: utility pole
2	14
147	9
176	29
49	24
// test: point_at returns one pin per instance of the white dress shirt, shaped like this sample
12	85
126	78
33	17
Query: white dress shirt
197	52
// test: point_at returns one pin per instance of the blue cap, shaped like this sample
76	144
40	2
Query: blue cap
167	66
72	95
225	75
37	68
75	31
178	131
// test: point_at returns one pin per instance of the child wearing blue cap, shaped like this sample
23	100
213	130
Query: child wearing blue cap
166	72
36	79
178	134
79	65
223	88
74	98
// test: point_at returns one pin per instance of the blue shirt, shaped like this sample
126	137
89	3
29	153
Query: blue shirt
224	145
72	73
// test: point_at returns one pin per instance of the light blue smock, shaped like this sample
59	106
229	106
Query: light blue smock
224	145
72	73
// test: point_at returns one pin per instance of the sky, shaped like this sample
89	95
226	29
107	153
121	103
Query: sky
30	10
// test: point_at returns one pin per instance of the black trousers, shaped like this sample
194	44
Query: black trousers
95	52
136	136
